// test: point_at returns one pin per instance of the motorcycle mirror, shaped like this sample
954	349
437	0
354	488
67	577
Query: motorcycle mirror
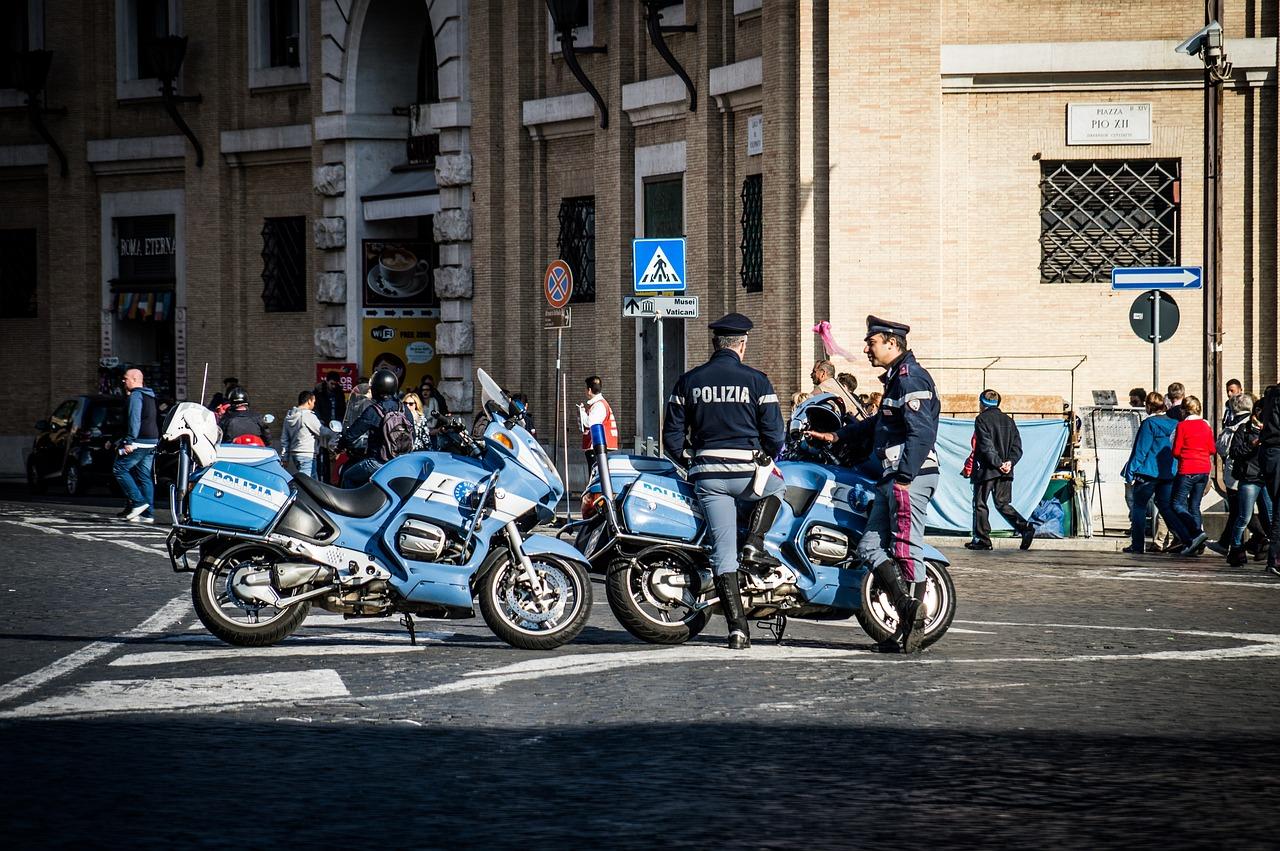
268	418
491	391
335	426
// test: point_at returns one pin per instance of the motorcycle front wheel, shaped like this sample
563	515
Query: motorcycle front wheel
235	621
653	596
539	615
880	619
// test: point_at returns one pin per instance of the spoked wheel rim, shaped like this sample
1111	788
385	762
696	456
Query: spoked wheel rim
936	601
541	610
230	608
655	596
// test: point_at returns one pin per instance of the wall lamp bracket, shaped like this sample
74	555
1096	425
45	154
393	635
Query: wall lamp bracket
167	54
33	76
562	19
657	31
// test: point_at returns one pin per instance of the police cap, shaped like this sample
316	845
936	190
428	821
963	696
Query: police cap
731	323
876	325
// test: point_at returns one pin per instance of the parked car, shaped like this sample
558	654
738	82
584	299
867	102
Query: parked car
76	446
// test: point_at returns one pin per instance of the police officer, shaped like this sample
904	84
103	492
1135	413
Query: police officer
725	415
905	429
239	420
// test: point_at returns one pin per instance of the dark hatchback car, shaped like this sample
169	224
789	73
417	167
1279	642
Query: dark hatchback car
76	446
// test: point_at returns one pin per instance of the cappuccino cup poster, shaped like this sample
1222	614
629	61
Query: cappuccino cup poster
407	347
397	274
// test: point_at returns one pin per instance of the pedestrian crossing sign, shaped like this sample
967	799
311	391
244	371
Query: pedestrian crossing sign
658	265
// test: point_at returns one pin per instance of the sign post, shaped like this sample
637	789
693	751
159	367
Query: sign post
1154	315
658	266
557	286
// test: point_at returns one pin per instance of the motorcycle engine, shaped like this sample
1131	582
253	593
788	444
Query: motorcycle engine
826	545
421	541
774	587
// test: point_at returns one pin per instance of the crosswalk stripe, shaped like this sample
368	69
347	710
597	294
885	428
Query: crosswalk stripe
107	696
292	649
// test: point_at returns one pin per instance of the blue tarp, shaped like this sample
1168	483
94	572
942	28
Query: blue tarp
952	507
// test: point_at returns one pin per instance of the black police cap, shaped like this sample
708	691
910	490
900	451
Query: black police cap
876	325
731	323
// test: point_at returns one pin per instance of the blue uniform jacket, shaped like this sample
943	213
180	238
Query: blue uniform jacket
730	412
1152	455
906	426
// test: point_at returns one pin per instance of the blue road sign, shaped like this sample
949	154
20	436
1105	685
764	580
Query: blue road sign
1155	278
658	265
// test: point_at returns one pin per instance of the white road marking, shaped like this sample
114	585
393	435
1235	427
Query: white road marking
853	624
110	696
169	614
346	646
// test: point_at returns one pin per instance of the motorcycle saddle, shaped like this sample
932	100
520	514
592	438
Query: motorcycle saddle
364	501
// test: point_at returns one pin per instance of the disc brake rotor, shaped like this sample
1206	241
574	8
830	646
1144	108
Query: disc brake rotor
522	601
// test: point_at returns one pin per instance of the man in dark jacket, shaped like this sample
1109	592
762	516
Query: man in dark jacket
132	467
239	421
383	385
997	450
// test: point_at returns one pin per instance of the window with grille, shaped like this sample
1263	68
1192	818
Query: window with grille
752	270
577	244
284	267
18	273
1095	215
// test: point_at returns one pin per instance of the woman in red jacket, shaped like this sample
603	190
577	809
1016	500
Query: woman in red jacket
1193	446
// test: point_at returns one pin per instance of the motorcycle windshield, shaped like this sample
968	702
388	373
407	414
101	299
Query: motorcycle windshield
513	440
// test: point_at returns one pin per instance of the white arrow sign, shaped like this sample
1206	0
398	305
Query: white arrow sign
661	307
1155	278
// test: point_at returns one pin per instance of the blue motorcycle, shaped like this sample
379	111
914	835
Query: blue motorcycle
430	533
647	534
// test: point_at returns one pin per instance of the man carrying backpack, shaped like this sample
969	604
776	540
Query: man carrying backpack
388	424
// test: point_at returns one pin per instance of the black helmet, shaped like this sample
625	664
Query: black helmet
237	396
384	384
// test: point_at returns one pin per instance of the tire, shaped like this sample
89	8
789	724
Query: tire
73	480
880	621
629	581
34	482
504	598
212	574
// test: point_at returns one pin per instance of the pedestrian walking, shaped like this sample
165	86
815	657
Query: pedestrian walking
727	416
1230	415
823	376
1151	472
1173	401
359	399
1251	481
423	439
1269	446
1238	419
433	402
596	410
384	427
904	430
303	434
997	450
1193	446
1137	398
331	402
849	382
132	467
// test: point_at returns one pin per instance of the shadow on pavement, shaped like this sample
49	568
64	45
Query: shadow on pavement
216	782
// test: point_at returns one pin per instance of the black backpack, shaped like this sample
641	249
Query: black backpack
397	434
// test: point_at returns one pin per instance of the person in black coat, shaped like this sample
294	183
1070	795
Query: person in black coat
997	450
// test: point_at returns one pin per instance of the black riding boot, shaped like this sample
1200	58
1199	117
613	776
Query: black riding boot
731	605
913	633
906	605
753	551
1237	556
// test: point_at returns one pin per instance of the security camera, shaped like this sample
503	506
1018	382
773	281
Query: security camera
1208	39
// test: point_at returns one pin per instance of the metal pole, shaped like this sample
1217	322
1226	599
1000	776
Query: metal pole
657	324
564	436
562	448
1213	229
1155	341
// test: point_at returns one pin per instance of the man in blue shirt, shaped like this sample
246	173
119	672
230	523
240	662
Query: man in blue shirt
132	468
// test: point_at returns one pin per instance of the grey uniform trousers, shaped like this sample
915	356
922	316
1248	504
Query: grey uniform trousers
895	527
719	499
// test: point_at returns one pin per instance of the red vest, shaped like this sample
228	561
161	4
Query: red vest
610	426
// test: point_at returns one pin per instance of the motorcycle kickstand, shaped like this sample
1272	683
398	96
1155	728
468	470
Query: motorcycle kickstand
406	620
775	626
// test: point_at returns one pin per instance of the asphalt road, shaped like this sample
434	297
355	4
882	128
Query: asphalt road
1081	700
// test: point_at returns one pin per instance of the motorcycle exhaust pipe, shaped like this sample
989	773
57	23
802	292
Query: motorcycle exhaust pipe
293	574
601	449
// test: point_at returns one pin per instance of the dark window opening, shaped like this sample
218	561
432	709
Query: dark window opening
752	246
151	20
282	33
13	40
428	77
1097	215
284	267
18	274
664	207
577	244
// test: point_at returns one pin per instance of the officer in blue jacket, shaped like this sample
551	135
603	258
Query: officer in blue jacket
725	416
904	431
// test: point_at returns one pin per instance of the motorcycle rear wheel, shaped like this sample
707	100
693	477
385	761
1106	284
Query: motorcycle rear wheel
631	588
521	616
230	619
880	620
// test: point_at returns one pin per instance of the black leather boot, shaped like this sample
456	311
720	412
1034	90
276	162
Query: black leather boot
913	627
1237	557
731	605
753	551
890	577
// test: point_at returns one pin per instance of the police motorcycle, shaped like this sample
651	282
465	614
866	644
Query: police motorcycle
644	529
429	535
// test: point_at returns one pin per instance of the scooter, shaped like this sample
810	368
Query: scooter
646	532
431	534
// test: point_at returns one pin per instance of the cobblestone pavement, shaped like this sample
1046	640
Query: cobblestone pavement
1080	700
